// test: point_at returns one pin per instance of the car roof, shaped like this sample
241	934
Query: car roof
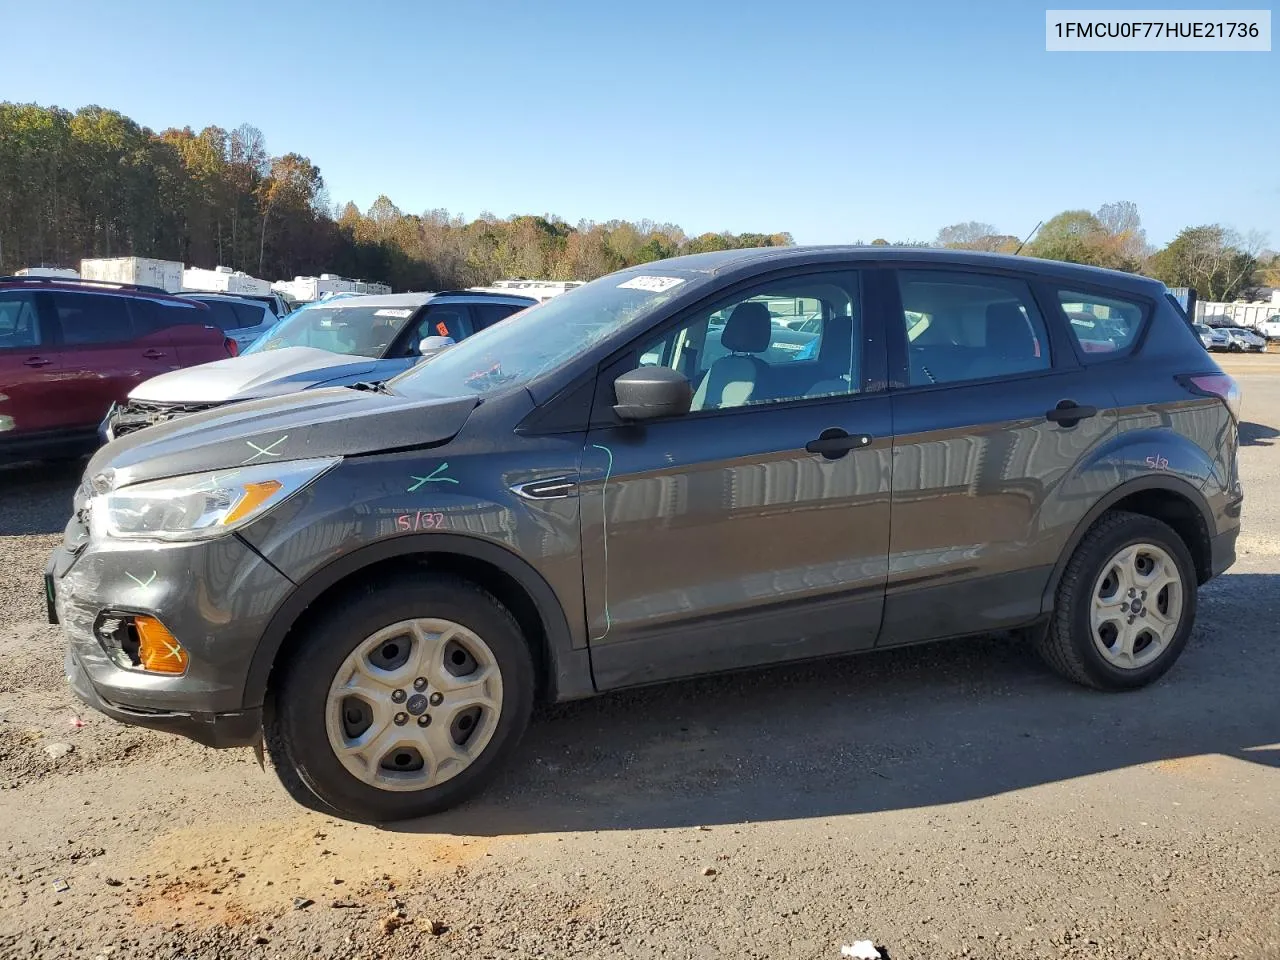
88	286
752	259
381	300
247	300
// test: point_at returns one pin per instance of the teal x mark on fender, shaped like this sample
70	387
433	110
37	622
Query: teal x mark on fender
433	477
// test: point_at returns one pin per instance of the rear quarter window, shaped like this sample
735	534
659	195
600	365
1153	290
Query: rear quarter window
152	315
1103	326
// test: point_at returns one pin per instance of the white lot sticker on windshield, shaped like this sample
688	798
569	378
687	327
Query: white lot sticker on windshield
393	313
651	284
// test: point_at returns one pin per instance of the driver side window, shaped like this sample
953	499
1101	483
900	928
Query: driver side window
790	339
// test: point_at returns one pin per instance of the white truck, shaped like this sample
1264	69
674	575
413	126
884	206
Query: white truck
223	280
61	273
143	271
311	289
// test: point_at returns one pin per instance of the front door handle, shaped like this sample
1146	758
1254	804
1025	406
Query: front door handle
153	354
833	443
36	362
1069	413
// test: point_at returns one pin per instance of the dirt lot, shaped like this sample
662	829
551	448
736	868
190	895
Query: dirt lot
948	801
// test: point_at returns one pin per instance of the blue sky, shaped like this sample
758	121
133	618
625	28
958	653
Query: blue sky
837	121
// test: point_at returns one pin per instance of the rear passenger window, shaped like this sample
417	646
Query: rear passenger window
1102	326
19	322
487	314
250	315
970	327
152	315
93	318
224	315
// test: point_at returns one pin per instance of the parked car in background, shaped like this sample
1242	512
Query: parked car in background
70	348
241	318
1213	339
587	499
1270	328
1240	340
329	343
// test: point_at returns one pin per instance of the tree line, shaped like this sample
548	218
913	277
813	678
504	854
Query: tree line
95	183
1219	263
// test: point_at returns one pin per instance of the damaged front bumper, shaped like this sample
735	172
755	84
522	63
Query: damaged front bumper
215	597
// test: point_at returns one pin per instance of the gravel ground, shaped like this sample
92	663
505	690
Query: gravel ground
946	801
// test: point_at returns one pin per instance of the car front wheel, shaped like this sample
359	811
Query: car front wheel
403	700
1125	605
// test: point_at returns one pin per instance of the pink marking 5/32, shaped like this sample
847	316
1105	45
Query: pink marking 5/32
421	520
1157	462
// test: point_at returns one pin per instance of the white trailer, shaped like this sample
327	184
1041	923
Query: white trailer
62	273
1250	316
223	280
165	274
310	289
538	289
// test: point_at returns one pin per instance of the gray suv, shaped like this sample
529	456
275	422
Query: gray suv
630	483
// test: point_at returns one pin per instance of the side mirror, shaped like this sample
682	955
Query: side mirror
651	392
428	346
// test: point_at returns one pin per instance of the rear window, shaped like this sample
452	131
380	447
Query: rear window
487	314
1104	327
152	315
226	316
88	318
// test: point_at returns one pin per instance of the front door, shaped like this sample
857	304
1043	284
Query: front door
756	527
30	369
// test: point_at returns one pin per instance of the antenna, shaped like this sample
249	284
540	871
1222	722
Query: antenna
1029	236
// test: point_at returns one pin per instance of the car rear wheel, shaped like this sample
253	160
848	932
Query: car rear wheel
403	701
1125	605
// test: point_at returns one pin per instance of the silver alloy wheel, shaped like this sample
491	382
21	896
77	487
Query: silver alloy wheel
414	704
1137	606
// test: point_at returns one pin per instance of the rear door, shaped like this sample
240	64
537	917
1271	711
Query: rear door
104	354
185	327
985	373
30	369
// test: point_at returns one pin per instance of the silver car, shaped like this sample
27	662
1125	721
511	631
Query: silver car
1242	340
241	318
1211	338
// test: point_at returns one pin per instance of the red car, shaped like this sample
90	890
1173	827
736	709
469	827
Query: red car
70	348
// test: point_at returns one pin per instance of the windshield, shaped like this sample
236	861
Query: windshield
528	344
344	327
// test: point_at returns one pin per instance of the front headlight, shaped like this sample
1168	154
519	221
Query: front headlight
201	505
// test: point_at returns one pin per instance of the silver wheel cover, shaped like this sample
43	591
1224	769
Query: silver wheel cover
414	704
1137	606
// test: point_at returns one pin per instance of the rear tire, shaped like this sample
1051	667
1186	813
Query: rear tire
377	739
1098	636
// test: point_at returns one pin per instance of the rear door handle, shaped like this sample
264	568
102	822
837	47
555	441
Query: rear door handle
36	362
153	354
1069	413
833	443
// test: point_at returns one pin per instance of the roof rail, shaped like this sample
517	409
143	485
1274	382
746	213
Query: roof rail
483	293
72	281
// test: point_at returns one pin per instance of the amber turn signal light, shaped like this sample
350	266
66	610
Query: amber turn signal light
159	650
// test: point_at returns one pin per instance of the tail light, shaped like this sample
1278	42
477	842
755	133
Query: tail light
233	348
1215	385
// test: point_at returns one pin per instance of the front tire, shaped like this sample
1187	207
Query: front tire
403	700
1126	605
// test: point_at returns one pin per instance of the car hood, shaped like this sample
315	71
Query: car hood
266	374
331	422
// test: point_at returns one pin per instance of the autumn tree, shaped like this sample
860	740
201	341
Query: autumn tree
1218	262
